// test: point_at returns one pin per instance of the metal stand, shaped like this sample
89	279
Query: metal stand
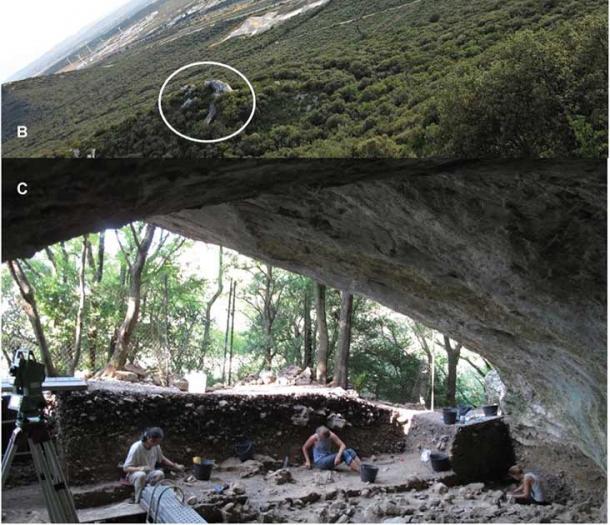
28	401
57	496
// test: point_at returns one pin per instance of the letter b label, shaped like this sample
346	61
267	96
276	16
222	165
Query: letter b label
22	132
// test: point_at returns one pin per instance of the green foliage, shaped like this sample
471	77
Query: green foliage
56	293
381	361
519	99
381	146
591	143
387	359
450	77
275	309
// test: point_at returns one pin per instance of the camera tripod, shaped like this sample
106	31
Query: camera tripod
31	425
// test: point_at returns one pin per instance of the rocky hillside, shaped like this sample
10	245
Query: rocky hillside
342	78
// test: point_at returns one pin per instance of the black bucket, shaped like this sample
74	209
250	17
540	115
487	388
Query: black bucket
244	449
368	472
449	416
440	462
203	471
490	410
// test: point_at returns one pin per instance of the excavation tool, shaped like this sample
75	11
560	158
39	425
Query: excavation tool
31	425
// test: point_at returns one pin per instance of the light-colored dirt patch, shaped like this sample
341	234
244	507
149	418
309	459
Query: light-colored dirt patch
259	24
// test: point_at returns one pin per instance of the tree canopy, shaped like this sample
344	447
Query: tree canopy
185	286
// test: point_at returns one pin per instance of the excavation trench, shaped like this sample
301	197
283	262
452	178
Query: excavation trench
96	427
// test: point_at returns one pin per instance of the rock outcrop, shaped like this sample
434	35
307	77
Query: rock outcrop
480	450
507	257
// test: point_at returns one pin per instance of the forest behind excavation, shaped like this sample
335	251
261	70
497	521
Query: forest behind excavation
143	295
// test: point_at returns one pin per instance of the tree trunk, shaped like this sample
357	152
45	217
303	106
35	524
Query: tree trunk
78	332
345	334
322	357
224	357
112	344
268	318
418	390
420	334
232	330
100	258
9	360
121	348
92	336
122	275
307	340
208	310
453	356
51	257
90	259
92	340
166	354
28	304
66	258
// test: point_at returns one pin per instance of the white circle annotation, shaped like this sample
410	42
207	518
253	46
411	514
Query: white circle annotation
207	63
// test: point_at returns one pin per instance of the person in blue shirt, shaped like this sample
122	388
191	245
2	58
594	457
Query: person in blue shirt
323	456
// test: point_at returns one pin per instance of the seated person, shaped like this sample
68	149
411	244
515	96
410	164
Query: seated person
142	459
323	456
530	489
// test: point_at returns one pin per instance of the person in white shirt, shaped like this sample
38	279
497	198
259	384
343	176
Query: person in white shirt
530	489
142	459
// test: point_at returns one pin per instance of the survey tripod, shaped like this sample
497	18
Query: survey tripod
27	399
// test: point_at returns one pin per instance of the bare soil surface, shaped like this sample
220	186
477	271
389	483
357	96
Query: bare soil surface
406	491
115	385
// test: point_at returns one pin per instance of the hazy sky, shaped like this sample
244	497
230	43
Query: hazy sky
30	28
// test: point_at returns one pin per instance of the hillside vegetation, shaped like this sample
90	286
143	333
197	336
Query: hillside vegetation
383	78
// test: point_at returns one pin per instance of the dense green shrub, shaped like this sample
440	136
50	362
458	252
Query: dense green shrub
465	83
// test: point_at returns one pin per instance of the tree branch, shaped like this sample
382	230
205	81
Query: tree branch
51	258
123	250
165	259
162	240
478	369
30	267
135	236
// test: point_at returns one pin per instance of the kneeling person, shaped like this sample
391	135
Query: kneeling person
142	459
530	489
323	456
